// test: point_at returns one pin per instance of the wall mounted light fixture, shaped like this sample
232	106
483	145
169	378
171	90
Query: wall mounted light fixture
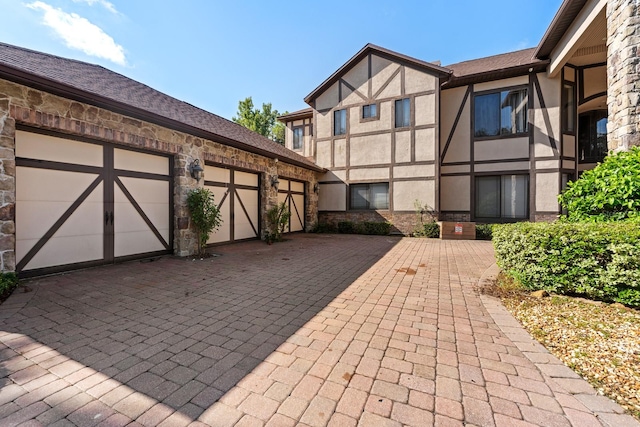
196	170
274	182
316	188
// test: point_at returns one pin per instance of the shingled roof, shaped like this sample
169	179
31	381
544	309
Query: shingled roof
96	85
494	67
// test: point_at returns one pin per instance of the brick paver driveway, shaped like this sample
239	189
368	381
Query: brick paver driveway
321	329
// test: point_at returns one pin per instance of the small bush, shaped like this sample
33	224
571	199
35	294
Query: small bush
597	260
365	227
431	229
374	228
325	227
205	215
8	282
346	227
484	231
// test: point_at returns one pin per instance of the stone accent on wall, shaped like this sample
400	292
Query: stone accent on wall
546	217
623	73
22	105
402	223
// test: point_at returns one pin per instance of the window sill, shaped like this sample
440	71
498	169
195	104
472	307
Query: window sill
496	137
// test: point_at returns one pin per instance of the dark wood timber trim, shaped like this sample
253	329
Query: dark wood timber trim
253	227
142	214
532	149
56	226
57	166
592	97
387	83
353	89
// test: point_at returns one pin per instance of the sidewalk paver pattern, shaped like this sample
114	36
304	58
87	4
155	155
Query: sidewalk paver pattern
319	330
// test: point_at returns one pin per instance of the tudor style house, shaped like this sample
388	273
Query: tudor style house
487	140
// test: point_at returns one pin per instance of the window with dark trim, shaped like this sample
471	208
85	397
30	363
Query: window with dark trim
568	108
501	113
403	112
369	196
298	136
340	122
592	136
369	111
502	197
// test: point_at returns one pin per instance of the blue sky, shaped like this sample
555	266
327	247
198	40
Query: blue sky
214	53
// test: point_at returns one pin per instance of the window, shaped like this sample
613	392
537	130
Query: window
298	134
403	113
592	136
369	111
369	196
502	197
501	113
340	122
568	108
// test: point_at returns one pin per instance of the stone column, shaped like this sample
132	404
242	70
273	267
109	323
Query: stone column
7	189
623	73
186	242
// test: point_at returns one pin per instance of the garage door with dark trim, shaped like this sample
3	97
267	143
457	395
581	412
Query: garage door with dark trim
81	203
237	194
292	194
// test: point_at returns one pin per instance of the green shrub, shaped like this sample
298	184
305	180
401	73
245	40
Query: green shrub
609	192
278	217
484	231
205	215
8	282
346	227
431	229
374	228
597	260
325	227
364	227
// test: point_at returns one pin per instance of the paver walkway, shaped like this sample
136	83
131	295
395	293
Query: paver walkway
319	330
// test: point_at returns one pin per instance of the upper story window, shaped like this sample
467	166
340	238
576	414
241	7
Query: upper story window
298	135
568	108
369	111
403	113
501	113
340	122
369	196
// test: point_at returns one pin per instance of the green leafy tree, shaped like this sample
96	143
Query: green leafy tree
609	192
277	217
263	121
205	215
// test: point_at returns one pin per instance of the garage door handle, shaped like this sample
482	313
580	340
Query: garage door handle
111	217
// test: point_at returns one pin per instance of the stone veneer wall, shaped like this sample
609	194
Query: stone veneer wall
623	73
404	223
30	107
455	217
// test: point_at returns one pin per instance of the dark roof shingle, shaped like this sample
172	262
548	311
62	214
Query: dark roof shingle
102	87
493	67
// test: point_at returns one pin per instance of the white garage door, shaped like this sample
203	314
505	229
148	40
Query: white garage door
292	194
237	195
82	203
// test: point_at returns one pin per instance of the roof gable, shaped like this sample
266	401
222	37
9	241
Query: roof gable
384	53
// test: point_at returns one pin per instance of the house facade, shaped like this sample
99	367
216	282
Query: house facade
95	168
488	140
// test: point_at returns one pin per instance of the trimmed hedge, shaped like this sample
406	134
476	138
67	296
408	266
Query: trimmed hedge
484	231
365	227
597	260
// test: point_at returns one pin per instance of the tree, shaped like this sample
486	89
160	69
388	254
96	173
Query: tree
205	215
263	121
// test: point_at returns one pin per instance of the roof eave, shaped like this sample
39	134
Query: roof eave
56	88
567	12
490	75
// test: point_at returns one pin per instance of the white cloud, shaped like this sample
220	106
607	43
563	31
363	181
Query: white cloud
106	4
80	34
